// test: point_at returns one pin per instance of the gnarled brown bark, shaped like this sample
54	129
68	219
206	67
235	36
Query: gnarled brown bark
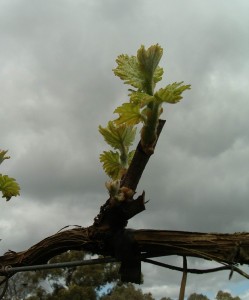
223	248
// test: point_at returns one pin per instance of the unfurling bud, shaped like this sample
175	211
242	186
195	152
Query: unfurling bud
128	193
117	193
113	187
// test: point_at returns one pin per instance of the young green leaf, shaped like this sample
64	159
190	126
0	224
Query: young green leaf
111	164
129	114
171	93
141	98
118	137
158	75
129	71
9	187
148	62
141	72
2	155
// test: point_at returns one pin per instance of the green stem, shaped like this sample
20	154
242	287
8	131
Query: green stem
148	134
124	156
149	85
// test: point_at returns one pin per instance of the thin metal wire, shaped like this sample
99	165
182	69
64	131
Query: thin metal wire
8	270
75	263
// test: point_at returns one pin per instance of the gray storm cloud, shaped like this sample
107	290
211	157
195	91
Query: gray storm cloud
57	86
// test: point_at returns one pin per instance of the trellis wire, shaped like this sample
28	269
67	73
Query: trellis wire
145	258
9	269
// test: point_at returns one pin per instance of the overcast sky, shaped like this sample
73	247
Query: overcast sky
57	87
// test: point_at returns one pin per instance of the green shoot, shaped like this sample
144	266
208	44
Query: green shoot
141	72
8	186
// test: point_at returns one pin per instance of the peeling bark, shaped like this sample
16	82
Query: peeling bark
222	248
